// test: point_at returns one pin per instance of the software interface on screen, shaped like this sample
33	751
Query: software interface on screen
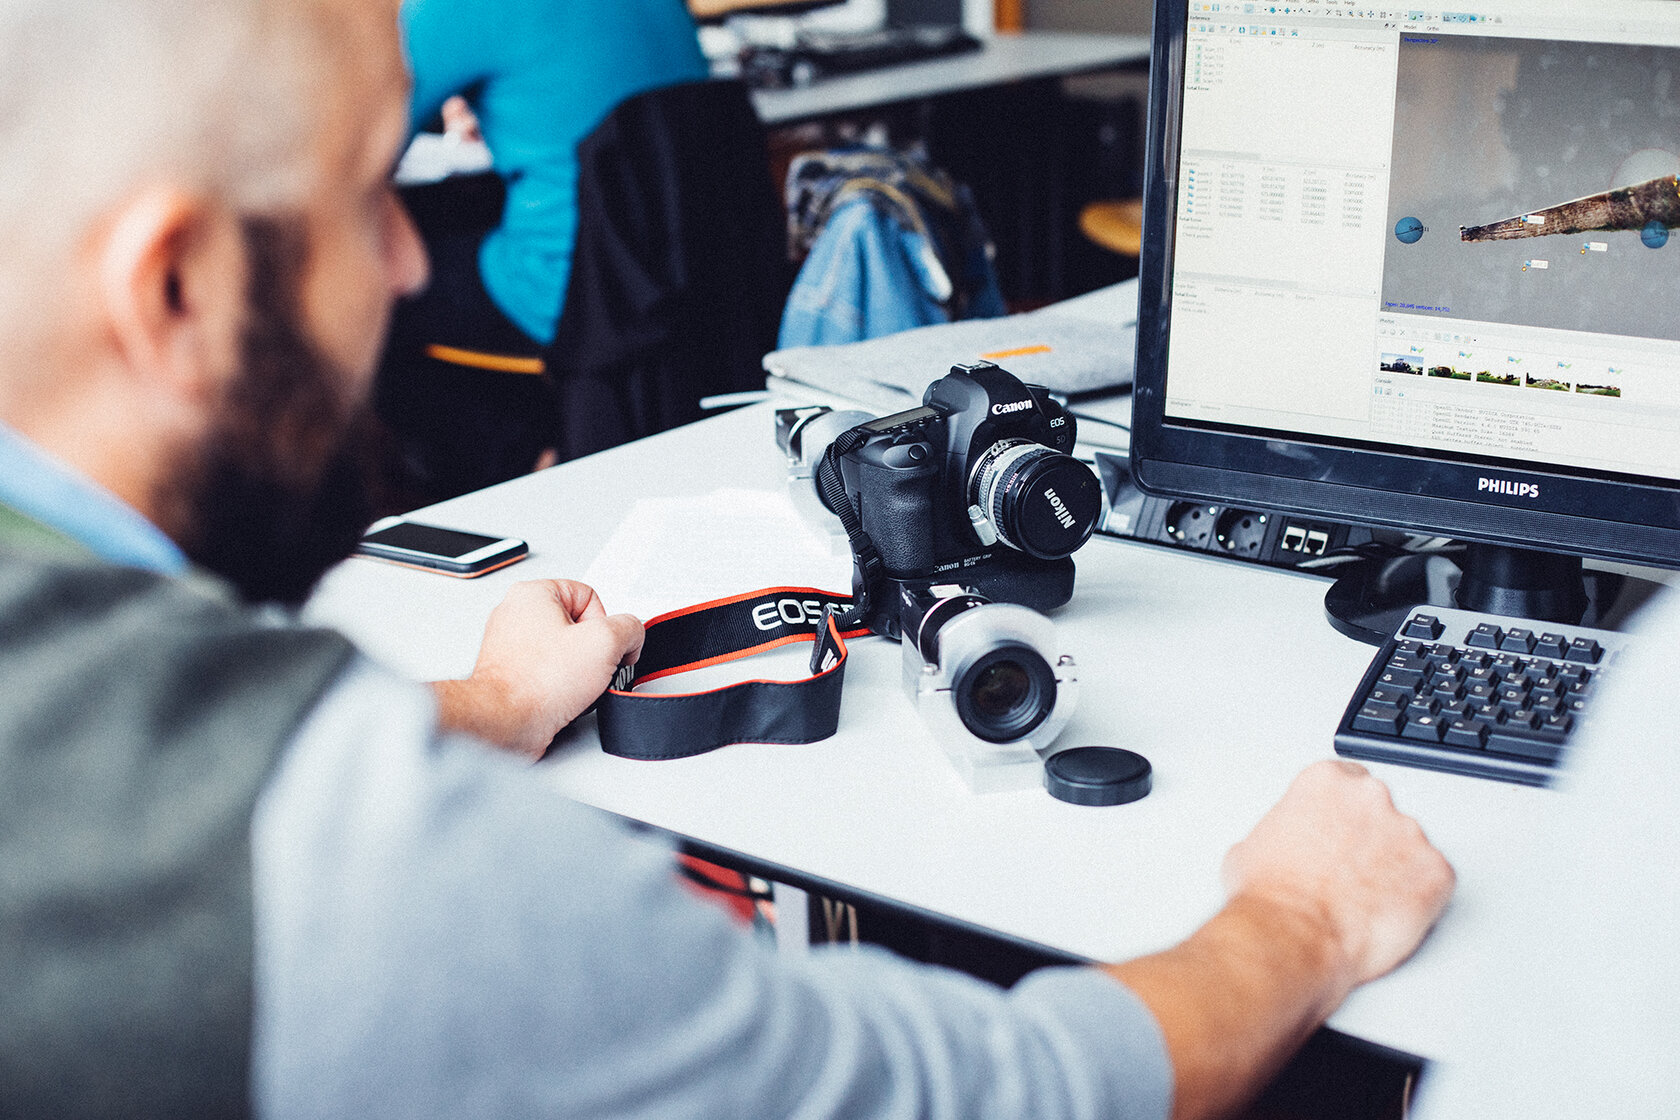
1442	230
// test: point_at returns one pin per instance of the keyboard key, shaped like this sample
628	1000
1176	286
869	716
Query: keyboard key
1390	697
1551	645
1540	746
1425	626
1423	706
1426	728
1585	650
1472	733
1486	693
1379	719
1517	640
1485	636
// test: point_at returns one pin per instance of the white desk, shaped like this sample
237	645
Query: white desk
1226	676
1006	58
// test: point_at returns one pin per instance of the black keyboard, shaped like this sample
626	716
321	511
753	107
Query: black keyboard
818	54
1477	694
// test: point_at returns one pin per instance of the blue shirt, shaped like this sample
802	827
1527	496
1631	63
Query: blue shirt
541	74
41	487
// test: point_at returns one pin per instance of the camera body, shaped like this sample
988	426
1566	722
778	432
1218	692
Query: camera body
976	487
987	682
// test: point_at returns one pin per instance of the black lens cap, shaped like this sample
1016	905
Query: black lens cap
1050	504
1097	776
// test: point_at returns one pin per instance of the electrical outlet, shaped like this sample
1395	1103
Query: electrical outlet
1190	524
1241	533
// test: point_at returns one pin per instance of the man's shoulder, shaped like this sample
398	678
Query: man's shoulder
155	649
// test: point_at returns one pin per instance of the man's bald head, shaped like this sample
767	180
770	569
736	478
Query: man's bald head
101	97
202	250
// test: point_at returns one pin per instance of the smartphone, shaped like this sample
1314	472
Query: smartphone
448	551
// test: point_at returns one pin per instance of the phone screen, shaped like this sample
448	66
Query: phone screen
430	539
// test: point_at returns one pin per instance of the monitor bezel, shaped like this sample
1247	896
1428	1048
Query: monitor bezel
1569	511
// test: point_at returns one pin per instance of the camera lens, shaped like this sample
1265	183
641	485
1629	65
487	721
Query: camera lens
1041	501
1005	693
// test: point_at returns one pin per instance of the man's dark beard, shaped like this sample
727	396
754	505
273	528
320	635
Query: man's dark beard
284	482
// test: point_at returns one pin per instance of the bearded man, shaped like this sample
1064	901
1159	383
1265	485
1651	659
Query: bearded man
244	869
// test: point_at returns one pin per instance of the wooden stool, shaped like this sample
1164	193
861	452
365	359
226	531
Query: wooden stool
1114	224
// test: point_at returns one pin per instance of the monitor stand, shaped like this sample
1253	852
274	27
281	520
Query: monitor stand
1370	602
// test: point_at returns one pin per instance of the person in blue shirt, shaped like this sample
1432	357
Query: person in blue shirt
540	75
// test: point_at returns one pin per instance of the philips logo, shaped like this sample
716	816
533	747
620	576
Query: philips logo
1006	409
1505	486
1056	503
787	612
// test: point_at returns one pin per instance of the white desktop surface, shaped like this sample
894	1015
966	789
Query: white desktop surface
1021	56
1224	675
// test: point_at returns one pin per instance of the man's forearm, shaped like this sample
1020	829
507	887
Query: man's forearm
476	707
1239	997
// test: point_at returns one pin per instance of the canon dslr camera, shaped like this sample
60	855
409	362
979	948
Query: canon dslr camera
976	487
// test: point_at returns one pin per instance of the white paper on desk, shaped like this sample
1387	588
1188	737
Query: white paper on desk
1084	345
671	553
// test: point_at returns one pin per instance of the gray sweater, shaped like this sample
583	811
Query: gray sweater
439	935
434	932
139	718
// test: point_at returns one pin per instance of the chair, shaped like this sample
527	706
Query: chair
1114	224
680	269
678	277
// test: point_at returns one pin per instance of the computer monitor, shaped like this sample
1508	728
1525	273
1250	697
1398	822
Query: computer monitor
1413	268
707	11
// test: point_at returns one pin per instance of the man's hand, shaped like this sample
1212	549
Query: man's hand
1337	850
549	650
1333	887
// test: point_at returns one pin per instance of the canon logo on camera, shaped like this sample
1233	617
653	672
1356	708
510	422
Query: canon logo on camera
1006	409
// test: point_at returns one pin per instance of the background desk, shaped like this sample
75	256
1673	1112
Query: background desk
1026	56
1226	676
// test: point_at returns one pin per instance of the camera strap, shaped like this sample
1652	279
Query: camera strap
831	487
651	726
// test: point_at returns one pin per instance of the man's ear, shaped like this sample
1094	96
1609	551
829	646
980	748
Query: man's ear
172	280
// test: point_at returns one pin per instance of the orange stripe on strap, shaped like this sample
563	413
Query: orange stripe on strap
477	359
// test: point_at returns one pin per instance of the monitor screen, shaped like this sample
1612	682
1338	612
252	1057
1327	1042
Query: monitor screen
1413	268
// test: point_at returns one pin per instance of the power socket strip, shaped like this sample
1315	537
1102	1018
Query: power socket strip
1254	535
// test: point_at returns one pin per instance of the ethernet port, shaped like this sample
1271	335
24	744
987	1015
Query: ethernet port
1308	540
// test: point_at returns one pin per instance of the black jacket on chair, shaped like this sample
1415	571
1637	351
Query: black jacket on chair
680	268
